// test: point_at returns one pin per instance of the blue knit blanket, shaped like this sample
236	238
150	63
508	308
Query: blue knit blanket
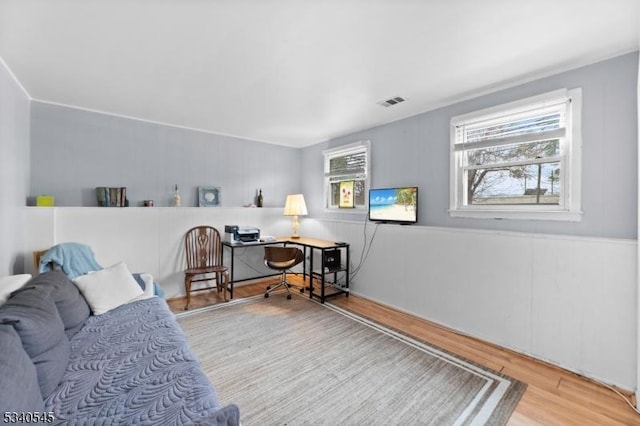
74	259
133	365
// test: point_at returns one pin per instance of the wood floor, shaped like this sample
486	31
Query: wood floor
553	396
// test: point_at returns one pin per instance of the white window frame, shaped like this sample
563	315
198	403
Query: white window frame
328	154
569	208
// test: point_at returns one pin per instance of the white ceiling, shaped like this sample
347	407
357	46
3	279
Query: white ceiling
297	72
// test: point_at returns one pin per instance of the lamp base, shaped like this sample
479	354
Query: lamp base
295	227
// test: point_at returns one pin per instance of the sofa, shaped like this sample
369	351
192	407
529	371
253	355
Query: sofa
100	349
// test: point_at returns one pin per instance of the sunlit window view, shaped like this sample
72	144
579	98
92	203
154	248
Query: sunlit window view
346	164
520	174
521	155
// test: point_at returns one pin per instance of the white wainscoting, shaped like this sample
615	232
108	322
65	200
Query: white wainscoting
571	301
147	239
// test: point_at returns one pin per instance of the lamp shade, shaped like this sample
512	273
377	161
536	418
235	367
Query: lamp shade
295	206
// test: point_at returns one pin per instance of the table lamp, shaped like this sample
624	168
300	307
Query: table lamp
295	206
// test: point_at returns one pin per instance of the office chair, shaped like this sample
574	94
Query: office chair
204	260
282	259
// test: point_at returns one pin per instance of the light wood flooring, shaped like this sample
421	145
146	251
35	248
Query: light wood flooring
553	397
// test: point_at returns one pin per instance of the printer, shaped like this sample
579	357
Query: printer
235	234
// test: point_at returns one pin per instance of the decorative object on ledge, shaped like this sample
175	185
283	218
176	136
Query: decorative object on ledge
44	201
209	196
176	197
346	195
295	206
260	198
112	196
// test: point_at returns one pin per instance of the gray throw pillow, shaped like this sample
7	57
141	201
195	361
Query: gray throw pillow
72	306
34	316
19	389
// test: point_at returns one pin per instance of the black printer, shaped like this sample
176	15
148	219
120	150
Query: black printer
235	234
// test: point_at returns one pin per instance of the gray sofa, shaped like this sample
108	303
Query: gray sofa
59	364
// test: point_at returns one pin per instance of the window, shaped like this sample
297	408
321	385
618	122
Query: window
519	160
346	164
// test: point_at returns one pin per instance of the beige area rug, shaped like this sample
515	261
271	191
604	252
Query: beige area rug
297	362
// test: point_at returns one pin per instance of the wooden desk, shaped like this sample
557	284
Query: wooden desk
328	277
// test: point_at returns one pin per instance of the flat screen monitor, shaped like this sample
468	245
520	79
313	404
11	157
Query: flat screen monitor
394	205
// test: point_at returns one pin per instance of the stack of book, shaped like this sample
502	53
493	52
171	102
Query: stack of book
112	196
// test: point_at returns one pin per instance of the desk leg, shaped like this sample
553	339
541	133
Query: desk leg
307	273
322	275
346	267
304	264
310	272
231	272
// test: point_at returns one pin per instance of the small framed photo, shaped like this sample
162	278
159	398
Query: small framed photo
346	195
208	196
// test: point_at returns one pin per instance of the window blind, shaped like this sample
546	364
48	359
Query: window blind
536	122
346	164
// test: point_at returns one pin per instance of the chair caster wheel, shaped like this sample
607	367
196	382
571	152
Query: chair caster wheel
266	295
288	297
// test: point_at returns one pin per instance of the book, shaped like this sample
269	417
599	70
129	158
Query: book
111	196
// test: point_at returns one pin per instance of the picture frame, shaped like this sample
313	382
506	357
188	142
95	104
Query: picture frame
347	196
208	196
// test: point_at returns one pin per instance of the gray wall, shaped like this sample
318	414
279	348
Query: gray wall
14	171
415	151
73	151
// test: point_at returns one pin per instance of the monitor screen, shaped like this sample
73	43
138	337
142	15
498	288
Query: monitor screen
394	205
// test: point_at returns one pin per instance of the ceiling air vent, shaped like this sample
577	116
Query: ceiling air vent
392	101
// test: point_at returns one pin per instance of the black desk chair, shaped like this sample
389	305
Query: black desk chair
282	259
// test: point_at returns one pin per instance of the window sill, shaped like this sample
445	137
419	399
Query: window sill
347	211
566	216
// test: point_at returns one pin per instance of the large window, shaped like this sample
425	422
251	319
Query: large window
346	164
520	160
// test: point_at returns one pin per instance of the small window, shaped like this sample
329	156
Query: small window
520	160
346	164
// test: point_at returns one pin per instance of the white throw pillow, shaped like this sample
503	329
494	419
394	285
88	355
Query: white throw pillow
10	284
149	289
108	288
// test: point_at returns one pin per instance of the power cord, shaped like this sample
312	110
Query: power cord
365	248
620	394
